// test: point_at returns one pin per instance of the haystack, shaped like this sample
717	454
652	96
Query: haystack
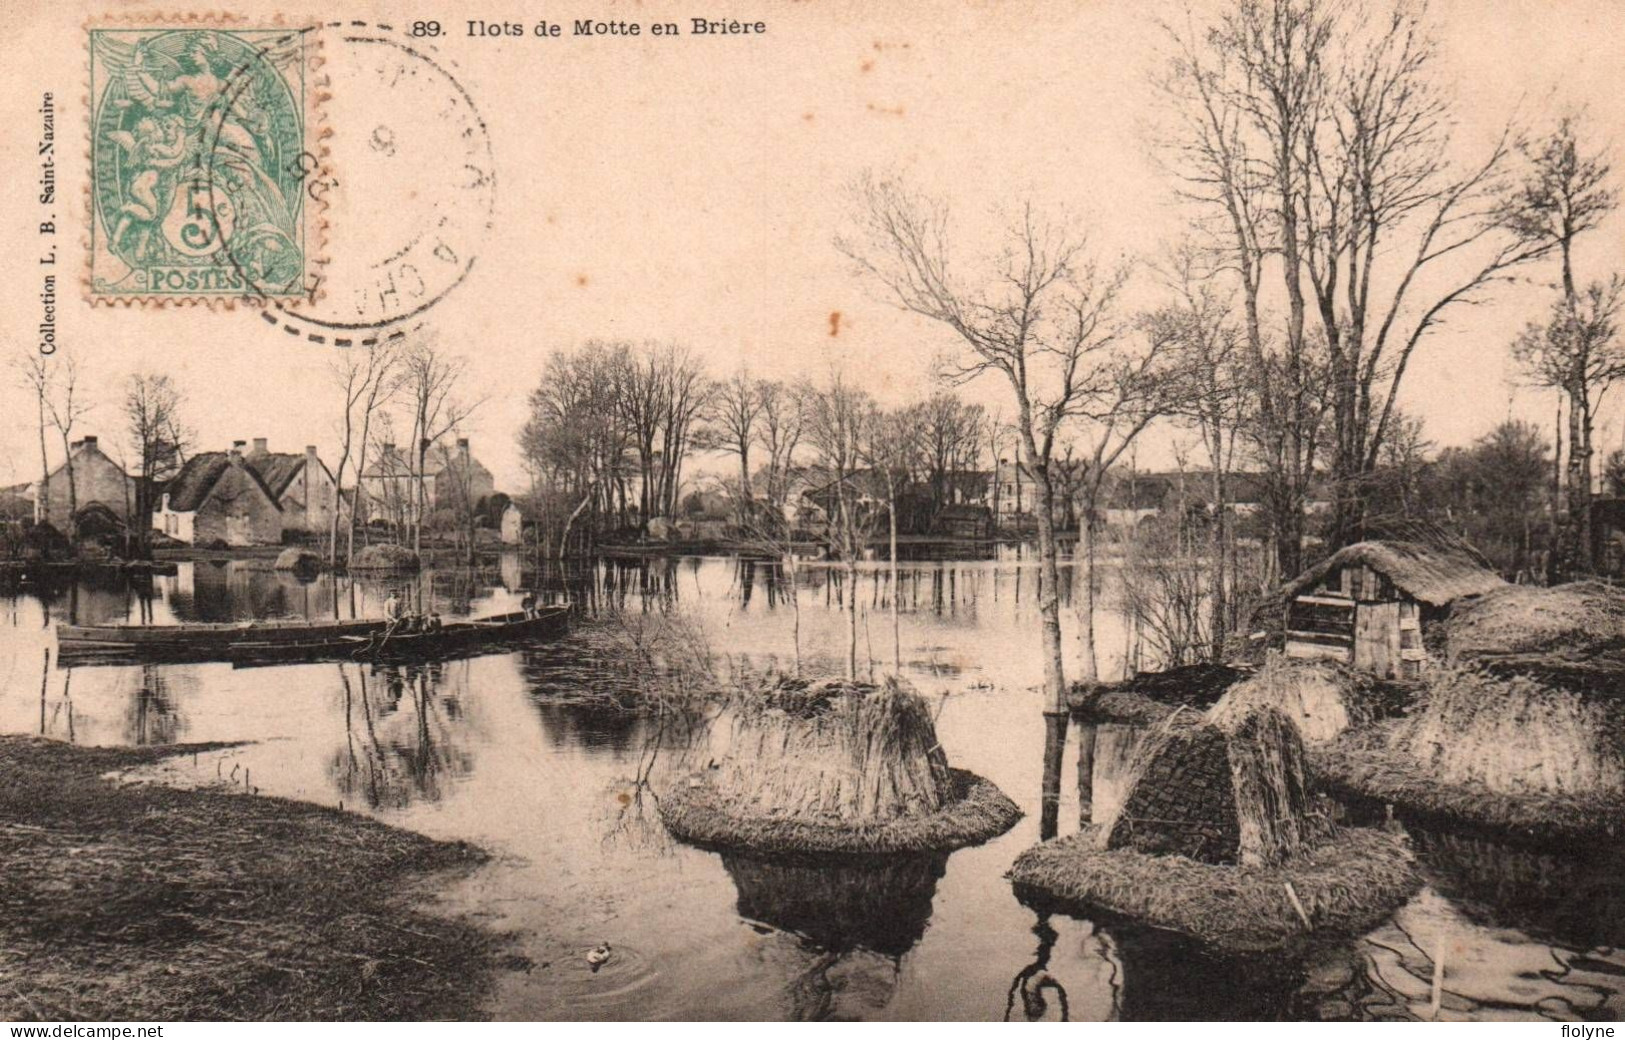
1576	621
386	558
298	559
1322	699
1346	885
1227	791
1507	751
833	767
1218	838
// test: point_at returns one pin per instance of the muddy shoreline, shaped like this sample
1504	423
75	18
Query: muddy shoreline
132	901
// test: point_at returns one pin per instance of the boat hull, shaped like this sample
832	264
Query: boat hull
490	634
293	641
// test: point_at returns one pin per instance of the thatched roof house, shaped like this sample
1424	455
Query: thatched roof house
1368	604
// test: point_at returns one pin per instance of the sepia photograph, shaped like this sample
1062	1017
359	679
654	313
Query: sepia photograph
606	511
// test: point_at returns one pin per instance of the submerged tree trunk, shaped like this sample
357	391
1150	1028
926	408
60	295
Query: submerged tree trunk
1084	569
896	623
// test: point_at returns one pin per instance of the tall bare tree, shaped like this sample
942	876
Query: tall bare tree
1206	356
1318	134
1566	191
950	442
782	419
368	379
1041	316
34	375
895	450
59	404
1578	351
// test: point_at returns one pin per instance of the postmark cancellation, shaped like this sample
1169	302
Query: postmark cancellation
204	135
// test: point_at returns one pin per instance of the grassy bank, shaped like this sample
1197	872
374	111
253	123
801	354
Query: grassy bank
150	903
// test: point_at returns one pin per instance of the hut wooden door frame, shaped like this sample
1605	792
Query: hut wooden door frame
1376	638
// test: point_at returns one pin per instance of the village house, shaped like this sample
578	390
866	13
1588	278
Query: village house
219	497
302	484
100	485
453	479
1374	604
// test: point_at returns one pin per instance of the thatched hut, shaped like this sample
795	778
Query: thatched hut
832	767
1374	605
1218	838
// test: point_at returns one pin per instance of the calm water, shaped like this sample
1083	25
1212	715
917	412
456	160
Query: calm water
535	756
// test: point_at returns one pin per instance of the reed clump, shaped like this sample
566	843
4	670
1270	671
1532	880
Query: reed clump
122	902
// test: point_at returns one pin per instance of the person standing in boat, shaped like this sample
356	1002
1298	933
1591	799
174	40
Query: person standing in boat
394	613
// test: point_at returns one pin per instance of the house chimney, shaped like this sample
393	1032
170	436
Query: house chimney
237	447
262	446
89	441
462	447
310	452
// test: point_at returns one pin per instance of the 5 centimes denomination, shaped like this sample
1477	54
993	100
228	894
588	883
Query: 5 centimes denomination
409	199
201	152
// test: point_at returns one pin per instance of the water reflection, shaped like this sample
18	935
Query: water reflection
840	904
404	738
546	757
1034	990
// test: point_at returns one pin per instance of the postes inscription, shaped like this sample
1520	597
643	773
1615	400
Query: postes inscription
198	162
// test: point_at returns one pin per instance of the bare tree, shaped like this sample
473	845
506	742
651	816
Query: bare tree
735	413
1318	129
152	406
34	375
895	450
368	380
783	421
1042	318
575	440
55	385
1206	356
1578	351
1125	392
840	422
949	435
430	380
1565	192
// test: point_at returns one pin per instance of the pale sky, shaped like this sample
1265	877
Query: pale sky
688	190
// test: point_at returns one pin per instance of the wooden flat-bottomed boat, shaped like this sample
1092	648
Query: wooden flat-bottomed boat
474	635
289	640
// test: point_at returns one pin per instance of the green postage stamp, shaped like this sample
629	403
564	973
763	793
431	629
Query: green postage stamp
201	148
